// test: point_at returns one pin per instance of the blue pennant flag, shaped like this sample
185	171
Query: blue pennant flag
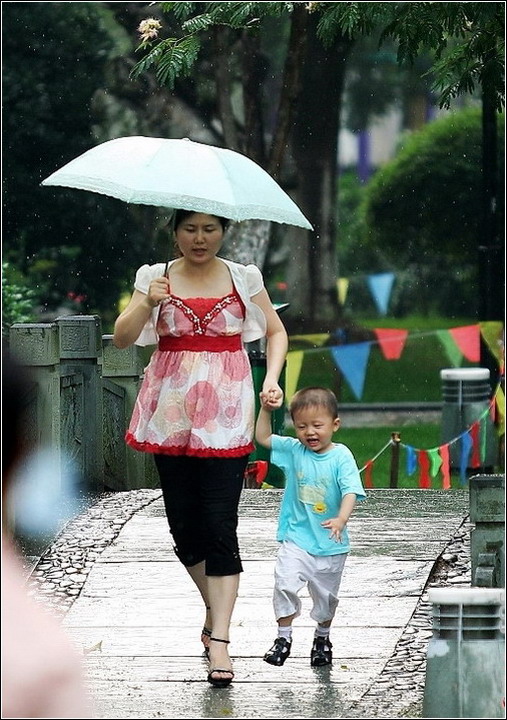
380	287
466	446
352	361
411	459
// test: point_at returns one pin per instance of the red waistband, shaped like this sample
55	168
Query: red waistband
197	343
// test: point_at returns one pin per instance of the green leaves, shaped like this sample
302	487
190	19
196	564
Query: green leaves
171	58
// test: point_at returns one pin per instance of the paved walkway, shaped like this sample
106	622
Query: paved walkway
129	606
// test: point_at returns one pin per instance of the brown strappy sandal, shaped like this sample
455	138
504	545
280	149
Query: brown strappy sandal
220	682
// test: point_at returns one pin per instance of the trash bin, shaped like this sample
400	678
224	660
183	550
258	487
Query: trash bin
257	355
466	397
465	669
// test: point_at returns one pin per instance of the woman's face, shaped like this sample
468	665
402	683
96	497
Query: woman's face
199	237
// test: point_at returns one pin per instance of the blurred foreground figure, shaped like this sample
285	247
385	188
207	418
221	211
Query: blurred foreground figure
42	676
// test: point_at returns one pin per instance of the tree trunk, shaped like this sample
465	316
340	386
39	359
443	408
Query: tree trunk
247	242
313	267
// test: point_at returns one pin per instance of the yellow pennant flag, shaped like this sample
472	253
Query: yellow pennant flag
342	285
315	339
492	334
500	410
292	371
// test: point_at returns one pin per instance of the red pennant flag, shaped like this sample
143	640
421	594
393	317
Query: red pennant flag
368	469
391	341
476	451
445	468
467	338
424	464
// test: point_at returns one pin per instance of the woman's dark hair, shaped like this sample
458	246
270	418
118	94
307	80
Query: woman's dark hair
182	215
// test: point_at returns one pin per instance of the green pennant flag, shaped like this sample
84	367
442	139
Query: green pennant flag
435	460
453	352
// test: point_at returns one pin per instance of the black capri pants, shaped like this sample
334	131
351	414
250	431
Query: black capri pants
201	497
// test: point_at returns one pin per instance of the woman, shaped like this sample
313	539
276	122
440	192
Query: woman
195	409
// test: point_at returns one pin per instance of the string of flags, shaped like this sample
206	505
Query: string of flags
380	286
432	461
352	358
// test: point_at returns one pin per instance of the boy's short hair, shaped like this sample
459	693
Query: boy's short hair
314	397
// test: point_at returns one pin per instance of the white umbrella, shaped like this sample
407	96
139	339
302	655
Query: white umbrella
180	174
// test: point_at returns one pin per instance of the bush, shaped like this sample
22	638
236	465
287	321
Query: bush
17	300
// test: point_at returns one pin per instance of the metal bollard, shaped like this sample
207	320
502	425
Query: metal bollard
466	392
465	670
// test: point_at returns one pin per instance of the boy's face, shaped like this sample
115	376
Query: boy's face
314	428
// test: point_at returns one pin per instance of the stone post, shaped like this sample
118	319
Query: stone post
36	346
81	394
487	538
122	370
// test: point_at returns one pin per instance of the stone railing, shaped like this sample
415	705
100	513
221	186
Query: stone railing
82	398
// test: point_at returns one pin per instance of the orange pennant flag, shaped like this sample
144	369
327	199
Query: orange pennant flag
445	467
475	462
391	341
467	338
368	468
424	464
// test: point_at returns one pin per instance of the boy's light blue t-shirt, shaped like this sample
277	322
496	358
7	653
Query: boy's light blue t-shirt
315	485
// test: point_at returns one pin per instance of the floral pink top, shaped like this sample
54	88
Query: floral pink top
197	396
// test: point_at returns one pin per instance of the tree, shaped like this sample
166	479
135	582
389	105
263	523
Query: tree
424	209
465	37
62	241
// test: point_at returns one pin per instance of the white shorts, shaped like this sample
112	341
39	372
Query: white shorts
294	569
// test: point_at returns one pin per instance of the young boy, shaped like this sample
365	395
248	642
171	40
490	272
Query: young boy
322	485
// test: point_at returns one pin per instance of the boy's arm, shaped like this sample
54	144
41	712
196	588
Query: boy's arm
337	524
263	430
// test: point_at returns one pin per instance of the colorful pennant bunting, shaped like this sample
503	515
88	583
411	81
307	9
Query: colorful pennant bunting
435	461
475	461
368	472
446	466
380	286
342	285
424	467
411	459
499	406
492	333
352	361
453	353
466	446
317	339
391	341
467	338
292	372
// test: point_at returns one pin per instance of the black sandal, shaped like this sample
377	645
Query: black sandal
220	682
207	633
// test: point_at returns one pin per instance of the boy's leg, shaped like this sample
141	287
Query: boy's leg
289	579
323	589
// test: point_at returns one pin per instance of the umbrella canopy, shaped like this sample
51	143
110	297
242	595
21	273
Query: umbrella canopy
180	174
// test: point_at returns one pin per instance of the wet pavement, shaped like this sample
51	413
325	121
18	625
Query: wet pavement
129	606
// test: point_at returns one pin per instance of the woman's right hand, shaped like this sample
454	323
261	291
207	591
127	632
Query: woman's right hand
158	291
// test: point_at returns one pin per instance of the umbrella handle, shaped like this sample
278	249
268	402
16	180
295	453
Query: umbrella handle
171	232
